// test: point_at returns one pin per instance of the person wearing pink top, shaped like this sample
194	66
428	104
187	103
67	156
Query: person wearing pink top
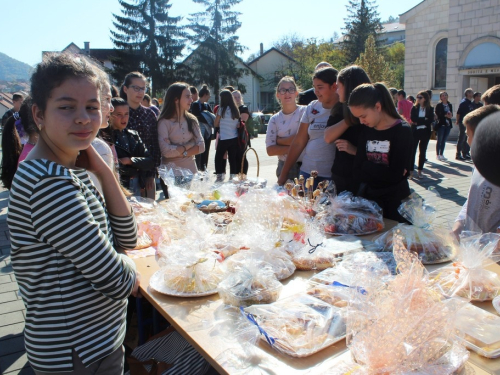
404	106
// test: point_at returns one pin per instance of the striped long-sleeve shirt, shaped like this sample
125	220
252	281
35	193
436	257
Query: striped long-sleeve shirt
72	281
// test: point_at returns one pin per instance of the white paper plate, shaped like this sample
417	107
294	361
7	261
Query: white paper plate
158	284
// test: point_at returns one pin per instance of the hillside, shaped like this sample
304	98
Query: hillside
12	69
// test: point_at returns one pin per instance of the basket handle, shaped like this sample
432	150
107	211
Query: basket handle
243	160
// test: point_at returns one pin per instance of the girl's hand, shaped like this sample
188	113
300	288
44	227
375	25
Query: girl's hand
125	161
90	160
346	146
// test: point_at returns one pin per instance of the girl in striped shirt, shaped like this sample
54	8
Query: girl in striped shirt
64	232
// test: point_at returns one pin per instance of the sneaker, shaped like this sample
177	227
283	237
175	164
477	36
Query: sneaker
459	157
443	158
439	157
467	157
420	174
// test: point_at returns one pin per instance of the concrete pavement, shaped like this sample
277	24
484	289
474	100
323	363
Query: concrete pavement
450	179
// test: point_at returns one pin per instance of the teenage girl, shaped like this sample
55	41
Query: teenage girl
283	126
384	148
422	116
63	232
143	120
444	113
226	123
345	130
13	151
318	155
178	130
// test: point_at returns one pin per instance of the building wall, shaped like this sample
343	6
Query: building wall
425	26
267	65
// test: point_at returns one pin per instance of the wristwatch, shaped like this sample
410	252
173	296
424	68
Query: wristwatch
185	153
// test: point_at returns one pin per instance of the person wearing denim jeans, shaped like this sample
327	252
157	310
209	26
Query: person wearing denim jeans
464	108
444	113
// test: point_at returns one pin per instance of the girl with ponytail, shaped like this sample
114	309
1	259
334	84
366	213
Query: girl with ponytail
384	151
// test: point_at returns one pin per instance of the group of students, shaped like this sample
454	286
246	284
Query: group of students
68	213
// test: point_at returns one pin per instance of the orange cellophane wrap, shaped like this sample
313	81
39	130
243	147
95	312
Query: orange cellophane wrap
403	327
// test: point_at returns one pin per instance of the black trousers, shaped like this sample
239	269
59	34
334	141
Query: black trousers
202	159
421	139
233	154
462	145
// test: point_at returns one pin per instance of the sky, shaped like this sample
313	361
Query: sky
51	25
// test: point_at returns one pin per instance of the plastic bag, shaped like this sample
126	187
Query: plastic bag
250	284
299	325
403	327
350	215
433	245
313	251
467	276
280	262
190	273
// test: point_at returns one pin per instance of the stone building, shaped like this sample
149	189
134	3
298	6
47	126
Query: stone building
452	45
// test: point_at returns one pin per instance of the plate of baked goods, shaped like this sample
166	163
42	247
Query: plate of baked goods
182	286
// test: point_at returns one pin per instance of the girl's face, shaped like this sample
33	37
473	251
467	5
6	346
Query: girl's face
237	97
443	97
367	116
324	91
205	98
106	107
341	91
185	100
136	90
287	93
119	118
72	117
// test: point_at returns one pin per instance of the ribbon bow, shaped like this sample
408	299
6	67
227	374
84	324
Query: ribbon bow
251	318
313	248
358	288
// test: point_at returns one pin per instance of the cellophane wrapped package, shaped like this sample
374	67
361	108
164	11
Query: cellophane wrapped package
405	326
250	284
467	276
298	326
152	222
432	244
190	272
347	214
314	251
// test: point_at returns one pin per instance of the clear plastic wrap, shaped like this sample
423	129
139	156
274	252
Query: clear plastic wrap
313	251
405	326
278	260
188	274
298	326
347	214
333	295
432	244
468	277
479	330
250	284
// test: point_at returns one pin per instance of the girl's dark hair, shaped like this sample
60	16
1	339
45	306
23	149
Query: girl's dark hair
54	69
350	77
327	75
204	90
11	141
193	90
128	80
227	101
411	98
427	102
368	95
171	109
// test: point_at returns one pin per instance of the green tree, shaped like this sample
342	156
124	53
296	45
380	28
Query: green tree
374	63
395	56
149	40
362	21
215	59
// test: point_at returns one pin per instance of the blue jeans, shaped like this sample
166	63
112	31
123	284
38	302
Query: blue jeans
442	136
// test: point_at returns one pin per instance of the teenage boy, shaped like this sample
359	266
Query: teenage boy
464	109
476	100
481	211
17	100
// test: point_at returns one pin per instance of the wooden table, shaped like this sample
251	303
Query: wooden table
194	319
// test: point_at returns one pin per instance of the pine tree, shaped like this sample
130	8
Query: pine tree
147	40
363	20
374	63
213	34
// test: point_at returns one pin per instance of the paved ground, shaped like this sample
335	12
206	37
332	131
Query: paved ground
450	179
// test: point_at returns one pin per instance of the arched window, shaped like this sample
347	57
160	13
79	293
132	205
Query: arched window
441	58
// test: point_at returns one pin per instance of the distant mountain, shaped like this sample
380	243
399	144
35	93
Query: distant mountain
12	69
